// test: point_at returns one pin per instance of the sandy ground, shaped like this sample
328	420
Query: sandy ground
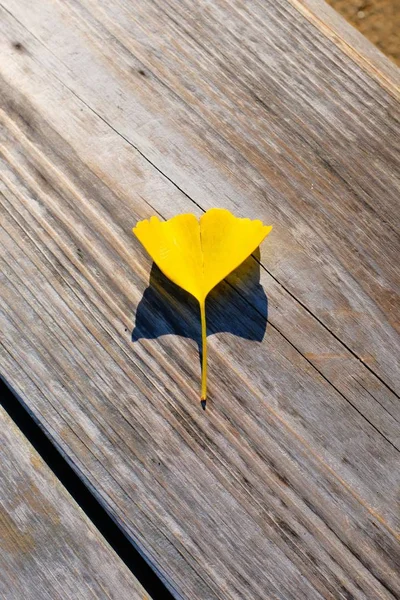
378	20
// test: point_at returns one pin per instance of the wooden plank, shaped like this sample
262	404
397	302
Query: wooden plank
351	41
313	165
49	548
299	446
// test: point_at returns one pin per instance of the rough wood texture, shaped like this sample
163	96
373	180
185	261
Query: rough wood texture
49	550
288	485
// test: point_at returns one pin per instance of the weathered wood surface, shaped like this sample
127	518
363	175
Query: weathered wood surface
288	485
49	549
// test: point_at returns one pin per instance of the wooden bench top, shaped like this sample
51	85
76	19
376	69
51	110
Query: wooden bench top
287	486
49	549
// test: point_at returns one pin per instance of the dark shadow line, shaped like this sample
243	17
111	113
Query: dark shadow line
107	527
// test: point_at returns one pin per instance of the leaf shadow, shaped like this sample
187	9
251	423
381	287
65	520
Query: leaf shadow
238	305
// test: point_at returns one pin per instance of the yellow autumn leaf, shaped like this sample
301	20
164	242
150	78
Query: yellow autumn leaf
197	254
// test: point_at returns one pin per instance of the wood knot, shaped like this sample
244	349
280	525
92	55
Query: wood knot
18	46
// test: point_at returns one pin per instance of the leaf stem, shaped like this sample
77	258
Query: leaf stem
203	350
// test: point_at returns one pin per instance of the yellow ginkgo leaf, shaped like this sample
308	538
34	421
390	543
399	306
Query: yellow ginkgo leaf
198	254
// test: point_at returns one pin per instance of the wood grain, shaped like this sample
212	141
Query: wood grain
49	549
288	485
352	42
